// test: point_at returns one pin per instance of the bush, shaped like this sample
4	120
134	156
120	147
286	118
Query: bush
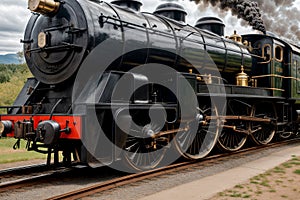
9	70
12	79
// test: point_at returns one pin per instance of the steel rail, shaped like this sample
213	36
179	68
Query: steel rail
21	169
32	180
133	178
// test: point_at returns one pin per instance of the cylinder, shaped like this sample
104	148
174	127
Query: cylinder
43	6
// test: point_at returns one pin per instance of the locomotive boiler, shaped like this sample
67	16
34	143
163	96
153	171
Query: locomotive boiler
239	87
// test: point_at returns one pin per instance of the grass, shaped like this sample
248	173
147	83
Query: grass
239	186
20	156
267	182
278	170
10	89
235	194
8	154
246	196
7	143
15	78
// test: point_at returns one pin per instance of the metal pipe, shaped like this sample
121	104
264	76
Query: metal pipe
243	118
43	6
163	133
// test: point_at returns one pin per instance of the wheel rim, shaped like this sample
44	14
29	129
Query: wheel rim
196	144
229	139
144	153
263	132
286	133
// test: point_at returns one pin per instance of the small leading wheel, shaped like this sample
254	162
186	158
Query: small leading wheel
235	133
263	131
201	135
141	151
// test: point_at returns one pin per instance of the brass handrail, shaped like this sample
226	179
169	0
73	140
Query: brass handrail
275	76
268	75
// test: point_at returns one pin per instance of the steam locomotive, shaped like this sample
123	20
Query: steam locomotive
217	91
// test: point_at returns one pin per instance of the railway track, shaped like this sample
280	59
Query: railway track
18	175
26	170
24	177
13	179
133	178
22	170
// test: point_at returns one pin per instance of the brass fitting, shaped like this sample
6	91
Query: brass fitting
43	6
242	78
236	37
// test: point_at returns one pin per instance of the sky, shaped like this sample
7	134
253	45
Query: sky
14	16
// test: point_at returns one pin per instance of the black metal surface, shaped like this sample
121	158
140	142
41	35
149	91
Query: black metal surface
212	24
48	132
162	37
24	95
5	127
67	45
132	4
21	128
172	11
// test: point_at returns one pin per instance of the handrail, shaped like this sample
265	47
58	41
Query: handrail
275	76
268	75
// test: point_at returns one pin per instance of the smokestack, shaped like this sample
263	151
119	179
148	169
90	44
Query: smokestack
212	24
132	4
172	10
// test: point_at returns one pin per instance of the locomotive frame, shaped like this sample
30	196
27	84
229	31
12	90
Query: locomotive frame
58	42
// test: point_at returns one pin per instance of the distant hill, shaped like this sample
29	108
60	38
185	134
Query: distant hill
9	59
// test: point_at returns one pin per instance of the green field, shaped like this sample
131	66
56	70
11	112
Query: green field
8	154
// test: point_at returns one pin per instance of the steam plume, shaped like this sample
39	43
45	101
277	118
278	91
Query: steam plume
247	10
282	18
277	16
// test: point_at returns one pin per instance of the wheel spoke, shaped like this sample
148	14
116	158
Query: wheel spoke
196	144
143	153
265	131
229	139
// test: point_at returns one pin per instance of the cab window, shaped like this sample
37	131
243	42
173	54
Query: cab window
279	53
266	52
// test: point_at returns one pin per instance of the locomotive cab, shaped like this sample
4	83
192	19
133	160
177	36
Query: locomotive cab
269	67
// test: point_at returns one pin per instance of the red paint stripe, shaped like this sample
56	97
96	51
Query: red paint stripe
74	123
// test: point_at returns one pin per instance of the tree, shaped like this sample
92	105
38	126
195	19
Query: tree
20	55
5	73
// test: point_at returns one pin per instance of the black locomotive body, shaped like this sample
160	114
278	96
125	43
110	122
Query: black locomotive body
79	51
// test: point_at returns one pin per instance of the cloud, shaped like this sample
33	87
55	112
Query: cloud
14	16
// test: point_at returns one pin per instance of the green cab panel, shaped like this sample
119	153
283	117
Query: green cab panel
295	72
